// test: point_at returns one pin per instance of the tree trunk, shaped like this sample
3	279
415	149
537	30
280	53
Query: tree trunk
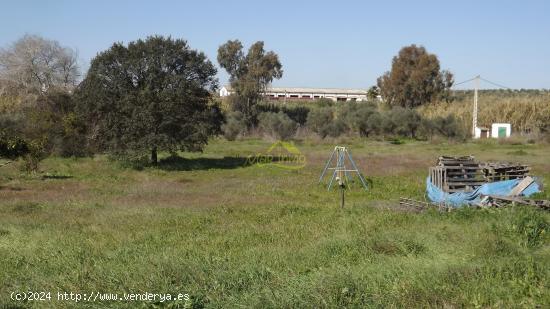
154	155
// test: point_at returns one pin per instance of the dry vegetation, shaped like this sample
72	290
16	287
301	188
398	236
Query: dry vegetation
527	111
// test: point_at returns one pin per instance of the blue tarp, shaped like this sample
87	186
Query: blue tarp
458	199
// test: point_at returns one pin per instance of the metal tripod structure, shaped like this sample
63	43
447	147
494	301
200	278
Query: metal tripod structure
340	170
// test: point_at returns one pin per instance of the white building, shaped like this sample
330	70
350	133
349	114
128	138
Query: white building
289	93
482	132
499	130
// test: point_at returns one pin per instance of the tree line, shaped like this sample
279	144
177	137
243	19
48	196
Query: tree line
158	94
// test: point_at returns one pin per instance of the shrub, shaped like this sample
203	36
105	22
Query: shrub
448	126
234	125
319	119
12	147
356	116
407	121
277	125
73	140
296	113
37	151
335	128
373	125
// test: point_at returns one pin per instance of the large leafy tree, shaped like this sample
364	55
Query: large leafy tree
250	74
415	78
150	95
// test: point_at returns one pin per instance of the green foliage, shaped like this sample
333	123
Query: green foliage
53	120
31	160
319	120
373	93
12	147
415	79
407	121
448	126
532	227
46	124
277	125
234	125
365	119
297	113
148	96
249	74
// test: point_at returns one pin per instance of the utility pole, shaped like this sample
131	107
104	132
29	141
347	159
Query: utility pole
474	115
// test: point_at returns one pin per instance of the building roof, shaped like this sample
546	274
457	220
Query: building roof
312	90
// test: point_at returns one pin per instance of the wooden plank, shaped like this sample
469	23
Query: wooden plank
522	185
466	182
462	168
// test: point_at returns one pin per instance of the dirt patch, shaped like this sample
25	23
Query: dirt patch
40	192
380	165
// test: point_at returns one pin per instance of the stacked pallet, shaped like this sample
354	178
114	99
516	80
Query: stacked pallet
464	174
497	171
457	174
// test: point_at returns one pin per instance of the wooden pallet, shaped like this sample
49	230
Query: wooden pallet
455	174
497	171
464	174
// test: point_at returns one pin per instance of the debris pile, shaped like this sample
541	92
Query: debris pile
457	181
457	174
465	174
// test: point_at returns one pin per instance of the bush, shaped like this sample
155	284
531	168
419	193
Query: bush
319	119
296	113
448	127
234	125
12	147
407	121
37	152
73	140
356	115
373	125
278	125
335	128
248	112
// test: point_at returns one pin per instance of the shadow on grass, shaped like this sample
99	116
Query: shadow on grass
175	163
56	176
11	188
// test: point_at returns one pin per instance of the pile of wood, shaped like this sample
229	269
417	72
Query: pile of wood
457	174
497	171
465	174
501	201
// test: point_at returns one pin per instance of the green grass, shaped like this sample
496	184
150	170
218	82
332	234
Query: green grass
236	235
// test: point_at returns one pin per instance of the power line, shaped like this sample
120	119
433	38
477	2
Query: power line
494	84
483	79
466	81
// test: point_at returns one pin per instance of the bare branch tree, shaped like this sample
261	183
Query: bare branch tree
39	64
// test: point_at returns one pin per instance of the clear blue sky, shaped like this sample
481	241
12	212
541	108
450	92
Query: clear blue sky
320	44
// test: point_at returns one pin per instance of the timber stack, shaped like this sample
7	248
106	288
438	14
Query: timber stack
457	174
465	174
497	171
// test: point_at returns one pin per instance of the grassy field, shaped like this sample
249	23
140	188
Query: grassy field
235	235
